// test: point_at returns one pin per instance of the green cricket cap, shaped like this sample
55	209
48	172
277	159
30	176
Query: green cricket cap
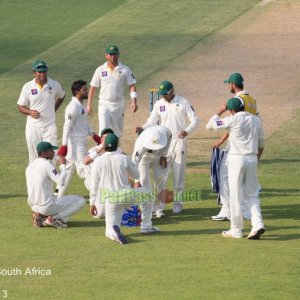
165	87
45	146
235	78
112	49
111	142
106	130
39	66
236	104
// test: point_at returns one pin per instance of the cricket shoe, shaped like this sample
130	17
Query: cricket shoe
160	214
52	222
255	235
220	218
228	234
177	208
119	237
150	230
38	219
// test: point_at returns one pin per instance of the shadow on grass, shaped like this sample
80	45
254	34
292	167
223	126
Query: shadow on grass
278	161
8	196
90	223
272	192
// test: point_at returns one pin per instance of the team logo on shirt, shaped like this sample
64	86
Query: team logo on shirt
54	172
219	123
162	108
34	92
69	117
104	73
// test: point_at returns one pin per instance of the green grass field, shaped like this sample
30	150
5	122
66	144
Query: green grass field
189	259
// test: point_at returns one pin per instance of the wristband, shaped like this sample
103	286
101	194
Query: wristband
133	95
93	155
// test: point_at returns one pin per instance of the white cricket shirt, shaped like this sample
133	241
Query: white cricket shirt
245	132
42	100
111	83
40	175
173	115
76	121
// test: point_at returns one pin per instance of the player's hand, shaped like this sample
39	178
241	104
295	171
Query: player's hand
97	138
163	162
63	150
222	108
89	110
133	105
35	114
62	160
182	134
138	130
217	144
93	210
137	185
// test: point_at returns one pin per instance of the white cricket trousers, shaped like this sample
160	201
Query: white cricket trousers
77	149
35	134
176	159
243	183
150	161
61	208
109	119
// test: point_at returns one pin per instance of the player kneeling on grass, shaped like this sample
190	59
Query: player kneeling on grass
110	174
48	210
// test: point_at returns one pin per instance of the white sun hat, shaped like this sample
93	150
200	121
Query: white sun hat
154	138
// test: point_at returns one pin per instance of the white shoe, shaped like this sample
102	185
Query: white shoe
220	218
160	214
151	229
177	208
255	235
228	234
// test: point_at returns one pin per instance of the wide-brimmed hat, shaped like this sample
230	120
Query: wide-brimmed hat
153	138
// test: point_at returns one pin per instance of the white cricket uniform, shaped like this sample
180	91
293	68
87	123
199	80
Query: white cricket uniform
147	159
173	115
75	131
251	107
110	171
92	153
43	100
246	136
111	97
40	175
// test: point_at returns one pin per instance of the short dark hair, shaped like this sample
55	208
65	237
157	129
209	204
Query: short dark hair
77	85
240	86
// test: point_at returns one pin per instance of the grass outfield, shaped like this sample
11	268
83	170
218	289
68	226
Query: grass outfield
189	259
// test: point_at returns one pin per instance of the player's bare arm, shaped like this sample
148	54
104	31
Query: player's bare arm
30	112
89	105
133	96
58	103
221	141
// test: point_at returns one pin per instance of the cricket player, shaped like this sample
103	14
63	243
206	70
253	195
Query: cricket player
88	159
236	86
246	146
75	131
172	111
111	78
47	209
150	152
110	171
39	100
